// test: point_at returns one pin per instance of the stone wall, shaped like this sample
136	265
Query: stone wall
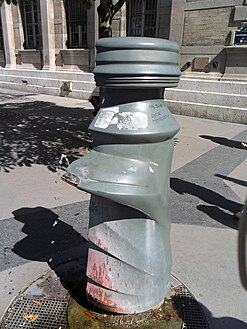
207	27
203	28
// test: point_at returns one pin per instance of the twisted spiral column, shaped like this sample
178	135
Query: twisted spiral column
127	173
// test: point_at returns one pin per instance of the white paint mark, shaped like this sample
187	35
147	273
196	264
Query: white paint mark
64	158
105	117
50	260
132	121
133	169
151	169
52	242
55	223
155	164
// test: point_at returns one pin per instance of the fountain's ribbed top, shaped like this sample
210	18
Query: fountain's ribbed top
133	62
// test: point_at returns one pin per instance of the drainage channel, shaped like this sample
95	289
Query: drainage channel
40	308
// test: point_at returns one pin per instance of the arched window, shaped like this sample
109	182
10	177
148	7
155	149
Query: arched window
30	13
141	18
76	17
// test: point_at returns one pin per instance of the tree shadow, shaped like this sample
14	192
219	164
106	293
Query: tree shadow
218	201
53	241
39	132
225	141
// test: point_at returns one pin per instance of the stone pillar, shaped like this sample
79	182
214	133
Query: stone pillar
92	32
48	34
163	19
8	35
177	21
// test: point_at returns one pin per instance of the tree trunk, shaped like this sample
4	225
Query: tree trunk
106	11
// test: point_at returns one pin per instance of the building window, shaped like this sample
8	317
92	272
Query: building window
30	13
141	18
1	35
76	17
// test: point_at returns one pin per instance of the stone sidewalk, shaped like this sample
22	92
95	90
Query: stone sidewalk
208	184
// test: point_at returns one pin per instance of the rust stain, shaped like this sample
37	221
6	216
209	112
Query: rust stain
92	236
106	300
89	314
98	269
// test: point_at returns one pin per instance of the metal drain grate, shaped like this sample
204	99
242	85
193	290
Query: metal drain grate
39	313
9	114
193	316
47	311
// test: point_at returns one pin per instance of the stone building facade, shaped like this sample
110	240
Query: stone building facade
205	31
48	46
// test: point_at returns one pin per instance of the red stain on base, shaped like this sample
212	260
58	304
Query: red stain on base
96	239
98	269
105	299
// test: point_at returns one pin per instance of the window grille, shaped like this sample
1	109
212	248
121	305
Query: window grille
141	18
30	12
1	35
76	16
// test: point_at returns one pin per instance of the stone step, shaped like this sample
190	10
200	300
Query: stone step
208	111
79	94
223	87
41	83
61	75
206	97
209	99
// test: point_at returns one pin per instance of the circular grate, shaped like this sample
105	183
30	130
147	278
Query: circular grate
49	312
40	313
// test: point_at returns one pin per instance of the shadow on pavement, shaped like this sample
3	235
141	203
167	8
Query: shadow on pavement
232	179
224	322
55	242
218	201
39	132
225	141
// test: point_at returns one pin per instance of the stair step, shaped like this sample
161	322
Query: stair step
206	97
224	87
208	111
